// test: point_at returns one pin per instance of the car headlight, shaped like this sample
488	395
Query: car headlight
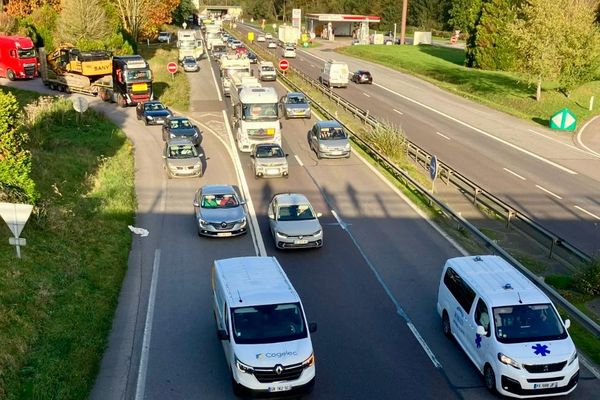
281	235
149	117
243	367
573	358
316	233
309	362
195	134
243	221
347	146
322	147
202	222
171	135
289	110
504	359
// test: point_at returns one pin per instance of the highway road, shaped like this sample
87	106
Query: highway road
540	172
372	287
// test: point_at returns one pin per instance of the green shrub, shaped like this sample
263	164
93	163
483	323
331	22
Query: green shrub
388	139
588	280
15	160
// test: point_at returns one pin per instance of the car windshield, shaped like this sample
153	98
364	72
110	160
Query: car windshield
154	107
267	68
180	124
332	133
528	323
299	212
219	201
271	323
259	111
136	75
182	151
269	152
189	59
219	48
296	100
26	53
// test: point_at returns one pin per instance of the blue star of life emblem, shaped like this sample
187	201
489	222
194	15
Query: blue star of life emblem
540	350
478	340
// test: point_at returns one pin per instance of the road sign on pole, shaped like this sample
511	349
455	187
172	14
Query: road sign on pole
172	68
251	36
433	171
16	215
564	120
284	65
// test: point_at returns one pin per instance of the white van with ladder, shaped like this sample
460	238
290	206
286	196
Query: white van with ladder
262	327
508	327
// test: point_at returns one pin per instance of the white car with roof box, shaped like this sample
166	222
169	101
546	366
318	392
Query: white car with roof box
508	327
262	327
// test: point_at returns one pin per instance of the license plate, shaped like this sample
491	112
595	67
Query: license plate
270	131
548	385
336	153
224	234
302	241
139	87
273	171
160	121
280	388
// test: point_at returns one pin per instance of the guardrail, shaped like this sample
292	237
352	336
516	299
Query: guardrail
478	195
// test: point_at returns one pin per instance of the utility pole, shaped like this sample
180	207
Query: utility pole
403	24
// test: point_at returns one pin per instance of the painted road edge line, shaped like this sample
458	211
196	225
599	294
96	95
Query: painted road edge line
258	240
140	388
514	173
212	72
563	144
580	133
587	212
397	111
543	189
442	135
299	160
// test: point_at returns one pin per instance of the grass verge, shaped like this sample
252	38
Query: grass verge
173	91
504	91
57	302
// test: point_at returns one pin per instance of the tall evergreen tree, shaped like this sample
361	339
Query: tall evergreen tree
494	49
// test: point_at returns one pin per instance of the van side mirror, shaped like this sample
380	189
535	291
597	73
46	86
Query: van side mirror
481	330
222	334
312	327
196	203
270	213
319	215
567	323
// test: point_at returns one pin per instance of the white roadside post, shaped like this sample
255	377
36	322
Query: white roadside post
16	215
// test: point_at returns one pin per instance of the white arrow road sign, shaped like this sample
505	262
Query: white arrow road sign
15	216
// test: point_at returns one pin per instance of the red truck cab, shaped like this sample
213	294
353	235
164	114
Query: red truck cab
18	58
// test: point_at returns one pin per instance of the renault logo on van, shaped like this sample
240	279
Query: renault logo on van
278	369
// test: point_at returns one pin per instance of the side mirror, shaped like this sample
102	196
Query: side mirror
567	323
481	330
242	202
319	215
312	327
270	213
222	334
164	156
251	155
287	155
196	203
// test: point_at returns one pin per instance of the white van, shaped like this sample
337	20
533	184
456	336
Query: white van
334	74
262	327
266	71
508	327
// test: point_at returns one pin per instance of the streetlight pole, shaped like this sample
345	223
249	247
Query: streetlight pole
403	24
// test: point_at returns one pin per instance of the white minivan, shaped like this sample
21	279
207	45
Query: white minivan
262	327
334	74
508	327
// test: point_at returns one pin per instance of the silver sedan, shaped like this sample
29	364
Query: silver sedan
219	212
295	105
293	222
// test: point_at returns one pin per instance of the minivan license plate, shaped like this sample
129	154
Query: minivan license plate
545	385
280	388
224	234
302	241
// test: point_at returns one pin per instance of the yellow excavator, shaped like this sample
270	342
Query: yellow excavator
71	70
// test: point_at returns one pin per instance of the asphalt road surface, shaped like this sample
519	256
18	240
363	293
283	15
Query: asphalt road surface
372	287
540	172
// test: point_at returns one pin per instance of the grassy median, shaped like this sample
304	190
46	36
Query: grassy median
504	91
57	302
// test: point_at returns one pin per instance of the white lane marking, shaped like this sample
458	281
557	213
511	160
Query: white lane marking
259	244
562	143
580	141
587	212
299	160
442	135
339	220
529	153
549	192
368	95
514	173
399	112
141	380
313	65
489	135
215	80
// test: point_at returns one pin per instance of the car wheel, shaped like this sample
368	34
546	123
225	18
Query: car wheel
490	378
138	116
10	74
146	122
237	389
319	156
446	329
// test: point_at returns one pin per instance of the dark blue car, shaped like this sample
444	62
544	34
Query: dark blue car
152	112
181	127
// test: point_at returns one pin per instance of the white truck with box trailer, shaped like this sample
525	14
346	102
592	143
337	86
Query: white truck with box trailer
255	117
230	64
288	35
189	43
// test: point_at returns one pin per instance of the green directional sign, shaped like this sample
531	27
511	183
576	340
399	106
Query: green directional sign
564	120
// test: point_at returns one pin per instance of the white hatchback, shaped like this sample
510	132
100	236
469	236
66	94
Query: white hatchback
289	52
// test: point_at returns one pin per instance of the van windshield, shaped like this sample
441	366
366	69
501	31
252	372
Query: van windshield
26	53
271	323
528	323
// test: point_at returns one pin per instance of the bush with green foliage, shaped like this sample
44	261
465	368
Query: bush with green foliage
494	49
40	25
588	280
15	160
